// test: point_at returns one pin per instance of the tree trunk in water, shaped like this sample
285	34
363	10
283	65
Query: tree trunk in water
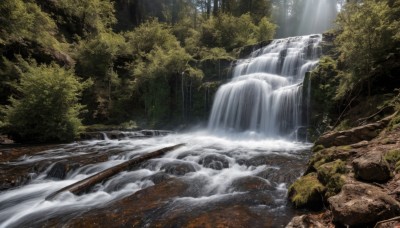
85	184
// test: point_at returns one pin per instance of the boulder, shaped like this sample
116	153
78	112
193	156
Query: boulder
307	191
178	168
372	167
214	162
251	183
59	170
360	203
158	177
352	136
304	221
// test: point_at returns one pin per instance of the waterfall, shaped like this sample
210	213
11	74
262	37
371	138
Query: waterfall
265	93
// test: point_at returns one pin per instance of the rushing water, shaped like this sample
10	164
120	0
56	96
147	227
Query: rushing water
212	165
265	94
246	159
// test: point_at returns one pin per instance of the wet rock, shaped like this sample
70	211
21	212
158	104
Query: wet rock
329	154
332	176
352	136
280	175
251	183
59	170
158	177
127	212
307	192
360	203
371	167
186	154
305	221
214	162
178	168
267	160
391	223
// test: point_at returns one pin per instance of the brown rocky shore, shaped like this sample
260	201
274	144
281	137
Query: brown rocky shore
352	179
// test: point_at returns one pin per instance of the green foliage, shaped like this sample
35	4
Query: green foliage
152	77
48	108
153	71
323	82
150	35
96	59
95	16
367	34
230	32
24	20
266	29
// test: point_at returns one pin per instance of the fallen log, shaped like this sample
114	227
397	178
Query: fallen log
86	183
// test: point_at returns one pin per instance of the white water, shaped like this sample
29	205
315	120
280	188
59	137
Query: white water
27	203
265	94
251	113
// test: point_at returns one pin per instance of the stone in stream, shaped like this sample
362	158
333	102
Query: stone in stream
251	183
158	177
59	170
372	167
359	203
178	168
214	162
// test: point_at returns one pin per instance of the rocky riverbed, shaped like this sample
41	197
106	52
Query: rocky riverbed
213	181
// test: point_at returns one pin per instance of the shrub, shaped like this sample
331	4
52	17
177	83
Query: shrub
47	108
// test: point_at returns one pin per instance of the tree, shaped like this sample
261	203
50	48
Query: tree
366	36
47	108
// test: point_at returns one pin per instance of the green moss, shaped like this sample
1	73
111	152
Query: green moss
345	147
331	175
317	148
397	166
306	191
344	125
393	158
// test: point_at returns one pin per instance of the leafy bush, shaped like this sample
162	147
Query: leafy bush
21	20
231	32
366	38
47	109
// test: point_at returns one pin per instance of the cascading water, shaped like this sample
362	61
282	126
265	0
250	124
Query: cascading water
265	94
209	179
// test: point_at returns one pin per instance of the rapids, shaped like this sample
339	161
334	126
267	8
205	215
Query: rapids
243	162
214	182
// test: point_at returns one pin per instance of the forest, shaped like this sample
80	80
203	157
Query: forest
200	113
156	64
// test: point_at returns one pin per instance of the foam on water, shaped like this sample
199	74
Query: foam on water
27	203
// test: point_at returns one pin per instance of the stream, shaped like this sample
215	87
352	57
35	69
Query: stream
218	172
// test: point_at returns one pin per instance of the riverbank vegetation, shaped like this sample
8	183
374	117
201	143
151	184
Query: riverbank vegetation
357	81
159	64
145	61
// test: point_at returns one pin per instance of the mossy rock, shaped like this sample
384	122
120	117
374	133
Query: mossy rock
317	148
393	158
328	155
307	192
331	175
